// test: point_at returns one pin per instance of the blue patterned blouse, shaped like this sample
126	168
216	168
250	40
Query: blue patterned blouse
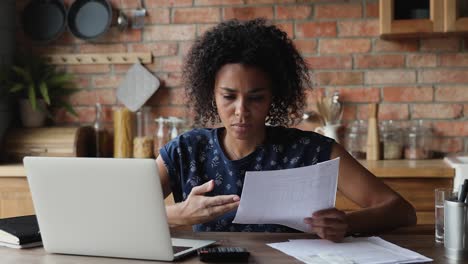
196	157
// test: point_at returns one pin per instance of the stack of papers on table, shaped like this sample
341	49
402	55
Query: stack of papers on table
352	250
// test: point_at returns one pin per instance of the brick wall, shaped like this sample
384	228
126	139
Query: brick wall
411	79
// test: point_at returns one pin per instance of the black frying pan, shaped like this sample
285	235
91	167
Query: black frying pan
88	19
44	20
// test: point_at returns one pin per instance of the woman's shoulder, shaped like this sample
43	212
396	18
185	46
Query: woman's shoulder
195	136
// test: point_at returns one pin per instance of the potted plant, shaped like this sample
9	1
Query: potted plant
39	86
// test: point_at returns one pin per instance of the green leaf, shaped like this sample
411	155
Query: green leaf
23	73
44	92
67	107
59	79
32	96
16	88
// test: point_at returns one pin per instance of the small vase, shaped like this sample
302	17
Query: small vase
31	117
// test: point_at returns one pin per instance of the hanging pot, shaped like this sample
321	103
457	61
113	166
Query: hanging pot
44	20
89	19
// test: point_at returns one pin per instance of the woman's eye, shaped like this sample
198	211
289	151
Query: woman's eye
229	97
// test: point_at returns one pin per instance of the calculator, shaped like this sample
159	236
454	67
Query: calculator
223	254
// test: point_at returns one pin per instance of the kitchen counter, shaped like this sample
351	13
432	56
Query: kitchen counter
436	168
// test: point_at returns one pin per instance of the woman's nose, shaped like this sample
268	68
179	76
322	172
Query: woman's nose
241	108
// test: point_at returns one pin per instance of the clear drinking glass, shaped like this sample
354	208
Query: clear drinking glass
441	194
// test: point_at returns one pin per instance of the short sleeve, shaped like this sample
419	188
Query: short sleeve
326	148
170	153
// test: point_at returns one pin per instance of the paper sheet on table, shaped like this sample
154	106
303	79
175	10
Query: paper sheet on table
363	250
287	196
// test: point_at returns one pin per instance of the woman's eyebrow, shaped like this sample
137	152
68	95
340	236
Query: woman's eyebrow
232	90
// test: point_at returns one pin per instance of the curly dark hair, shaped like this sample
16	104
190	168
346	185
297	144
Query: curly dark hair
252	43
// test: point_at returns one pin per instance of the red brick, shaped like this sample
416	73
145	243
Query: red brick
381	45
158	16
451	128
379	61
407	94
316	29
436	111
102	48
286	27
178	111
83	97
329	62
454	60
421	60
452	93
358	95
349	112
82	81
363	28
184	47
440	44
465	110
68	39
390	77
123	68
84	69
170	64
386	112
196	15
372	9
106	96
52	49
312	95
85	115
159	3
293	12
218	2
247	13
159	98
173	79
117	36
157	49
126	3
339	78
344	46
202	28
170	32
447	144
306	46
107	81
444	76
334	11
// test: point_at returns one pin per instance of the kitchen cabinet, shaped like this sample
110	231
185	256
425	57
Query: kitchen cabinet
415	180
401	18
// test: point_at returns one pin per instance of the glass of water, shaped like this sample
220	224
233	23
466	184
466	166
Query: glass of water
441	194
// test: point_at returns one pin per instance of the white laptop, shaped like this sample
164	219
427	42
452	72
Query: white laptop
103	207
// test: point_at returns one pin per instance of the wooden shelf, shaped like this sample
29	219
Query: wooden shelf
99	58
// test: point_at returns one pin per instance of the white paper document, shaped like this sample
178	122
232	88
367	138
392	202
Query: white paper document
362	250
288	196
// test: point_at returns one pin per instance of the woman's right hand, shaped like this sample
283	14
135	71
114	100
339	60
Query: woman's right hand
198	208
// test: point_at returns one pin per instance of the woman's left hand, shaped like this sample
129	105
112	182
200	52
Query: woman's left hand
330	224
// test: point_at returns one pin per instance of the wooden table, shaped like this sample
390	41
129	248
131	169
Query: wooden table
415	238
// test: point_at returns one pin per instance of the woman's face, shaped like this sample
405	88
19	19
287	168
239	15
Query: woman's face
243	98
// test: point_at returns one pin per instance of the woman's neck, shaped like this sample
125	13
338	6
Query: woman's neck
237	148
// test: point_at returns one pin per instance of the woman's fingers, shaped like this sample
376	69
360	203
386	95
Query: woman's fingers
221	199
202	189
219	210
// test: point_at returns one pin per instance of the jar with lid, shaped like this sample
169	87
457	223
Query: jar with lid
418	141
391	138
143	141
356	139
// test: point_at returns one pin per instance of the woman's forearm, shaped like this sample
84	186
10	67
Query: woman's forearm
390	215
173	215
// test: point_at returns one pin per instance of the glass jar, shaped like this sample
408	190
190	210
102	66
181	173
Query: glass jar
143	141
391	138
356	139
418	141
161	134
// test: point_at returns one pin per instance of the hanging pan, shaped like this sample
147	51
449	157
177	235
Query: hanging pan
44	20
89	19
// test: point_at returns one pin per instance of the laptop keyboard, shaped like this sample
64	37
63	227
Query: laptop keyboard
177	249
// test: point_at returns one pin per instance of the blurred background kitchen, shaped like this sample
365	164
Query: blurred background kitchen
391	82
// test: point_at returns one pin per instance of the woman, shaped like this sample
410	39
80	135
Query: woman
249	76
